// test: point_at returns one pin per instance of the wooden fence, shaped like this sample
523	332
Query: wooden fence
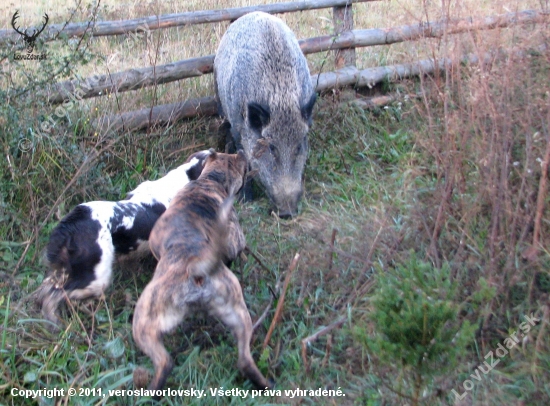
133	79
343	43
104	28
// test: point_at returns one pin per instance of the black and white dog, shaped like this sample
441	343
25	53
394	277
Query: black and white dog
82	247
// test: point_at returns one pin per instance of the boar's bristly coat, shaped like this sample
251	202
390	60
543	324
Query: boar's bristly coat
264	90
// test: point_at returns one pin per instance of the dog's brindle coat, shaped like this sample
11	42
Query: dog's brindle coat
83	246
190	241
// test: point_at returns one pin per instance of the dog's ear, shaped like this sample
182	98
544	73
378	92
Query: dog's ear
241	156
211	157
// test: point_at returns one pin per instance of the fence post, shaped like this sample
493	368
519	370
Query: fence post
342	18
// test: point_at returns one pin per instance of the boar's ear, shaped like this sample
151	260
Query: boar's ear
258	116
307	109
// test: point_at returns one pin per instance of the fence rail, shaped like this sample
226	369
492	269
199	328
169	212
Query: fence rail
343	43
120	27
133	79
206	106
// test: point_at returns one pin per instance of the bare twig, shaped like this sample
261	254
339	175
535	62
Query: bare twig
279	309
306	341
438	225
327	350
258	260
368	261
331	251
192	147
531	253
263	316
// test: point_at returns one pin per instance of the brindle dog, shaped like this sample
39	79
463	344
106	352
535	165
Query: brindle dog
191	241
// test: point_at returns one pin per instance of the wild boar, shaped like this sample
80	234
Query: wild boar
264	91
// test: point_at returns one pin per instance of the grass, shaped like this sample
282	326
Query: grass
443	184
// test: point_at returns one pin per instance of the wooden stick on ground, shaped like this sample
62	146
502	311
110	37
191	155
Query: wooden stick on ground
264	314
279	309
266	311
331	250
318	334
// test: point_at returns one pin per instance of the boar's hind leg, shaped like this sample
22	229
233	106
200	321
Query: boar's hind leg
225	139
231	309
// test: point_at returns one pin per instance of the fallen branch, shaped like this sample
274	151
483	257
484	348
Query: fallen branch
308	340
264	314
193	147
331	250
381	100
279	309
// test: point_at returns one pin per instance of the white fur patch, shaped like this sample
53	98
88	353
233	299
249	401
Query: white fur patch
102	212
164	189
128	222
161	191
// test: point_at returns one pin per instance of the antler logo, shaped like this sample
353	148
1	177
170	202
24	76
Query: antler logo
29	38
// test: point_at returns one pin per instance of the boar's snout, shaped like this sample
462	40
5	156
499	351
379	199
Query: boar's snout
286	195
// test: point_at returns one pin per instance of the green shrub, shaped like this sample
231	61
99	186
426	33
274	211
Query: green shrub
417	330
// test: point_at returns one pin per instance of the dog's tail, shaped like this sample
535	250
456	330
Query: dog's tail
217	251
50	293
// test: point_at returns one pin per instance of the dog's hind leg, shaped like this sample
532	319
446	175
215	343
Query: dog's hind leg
230	308
155	315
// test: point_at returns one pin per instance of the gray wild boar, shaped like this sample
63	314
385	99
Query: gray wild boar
264	90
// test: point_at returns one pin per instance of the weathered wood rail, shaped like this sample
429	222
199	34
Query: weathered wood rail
121	27
133	79
343	43
206	106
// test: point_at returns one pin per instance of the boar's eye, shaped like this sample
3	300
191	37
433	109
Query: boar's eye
258	116
301	147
